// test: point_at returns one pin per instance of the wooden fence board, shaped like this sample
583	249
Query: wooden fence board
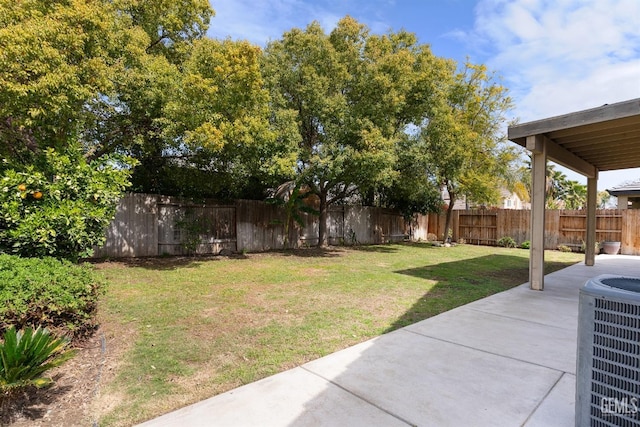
630	240
132	233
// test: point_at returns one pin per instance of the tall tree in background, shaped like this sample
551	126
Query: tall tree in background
463	135
603	198
58	59
353	94
133	118
415	189
95	71
58	62
222	126
574	195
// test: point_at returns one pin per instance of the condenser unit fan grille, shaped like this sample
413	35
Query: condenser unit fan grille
615	370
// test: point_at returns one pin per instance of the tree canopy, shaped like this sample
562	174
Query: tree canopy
353	94
348	115
463	137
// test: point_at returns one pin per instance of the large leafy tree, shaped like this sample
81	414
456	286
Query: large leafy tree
57	59
415	189
560	191
353	94
132	119
463	135
221	123
98	71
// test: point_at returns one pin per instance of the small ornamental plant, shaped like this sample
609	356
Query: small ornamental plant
506	242
25	356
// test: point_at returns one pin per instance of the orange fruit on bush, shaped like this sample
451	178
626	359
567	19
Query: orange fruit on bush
37	195
22	187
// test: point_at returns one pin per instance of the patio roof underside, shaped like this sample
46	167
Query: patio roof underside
600	139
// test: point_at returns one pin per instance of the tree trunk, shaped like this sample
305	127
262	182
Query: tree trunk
447	222
322	220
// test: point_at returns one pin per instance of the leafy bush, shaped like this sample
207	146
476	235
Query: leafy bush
526	244
59	206
564	248
47	292
506	242
26	355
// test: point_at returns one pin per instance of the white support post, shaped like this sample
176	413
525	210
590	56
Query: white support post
592	194
537	146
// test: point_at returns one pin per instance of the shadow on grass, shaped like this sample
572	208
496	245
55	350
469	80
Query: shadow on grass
461	282
158	263
174	262
314	252
391	247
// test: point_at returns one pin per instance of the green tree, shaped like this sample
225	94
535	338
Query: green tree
415	189
353	94
133	118
556	188
463	136
603	199
57	59
293	200
221	121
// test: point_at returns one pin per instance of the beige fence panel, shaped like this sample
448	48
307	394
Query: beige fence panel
478	227
630	233
133	231
260	226
186	227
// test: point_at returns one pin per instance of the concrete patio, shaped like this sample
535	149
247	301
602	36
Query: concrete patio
505	360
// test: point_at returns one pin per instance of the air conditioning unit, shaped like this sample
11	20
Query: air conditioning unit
608	358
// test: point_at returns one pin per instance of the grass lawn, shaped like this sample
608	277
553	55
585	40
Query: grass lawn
180	330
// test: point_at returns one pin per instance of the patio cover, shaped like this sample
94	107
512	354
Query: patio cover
600	139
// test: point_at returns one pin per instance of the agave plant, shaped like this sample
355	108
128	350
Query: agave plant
26	355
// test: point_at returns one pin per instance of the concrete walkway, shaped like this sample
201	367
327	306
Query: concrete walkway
505	360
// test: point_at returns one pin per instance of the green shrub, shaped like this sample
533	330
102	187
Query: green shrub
26	355
506	242
59	206
47	292
526	244
564	248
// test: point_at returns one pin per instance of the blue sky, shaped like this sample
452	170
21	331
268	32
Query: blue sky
555	56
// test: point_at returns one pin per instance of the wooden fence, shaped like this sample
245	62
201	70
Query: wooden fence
151	225
562	227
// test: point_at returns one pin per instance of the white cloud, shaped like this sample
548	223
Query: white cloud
560	56
260	21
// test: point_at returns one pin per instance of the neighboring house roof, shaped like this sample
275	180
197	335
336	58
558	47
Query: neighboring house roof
504	193
627	189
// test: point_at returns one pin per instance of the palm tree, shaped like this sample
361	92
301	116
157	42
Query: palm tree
556	188
575	195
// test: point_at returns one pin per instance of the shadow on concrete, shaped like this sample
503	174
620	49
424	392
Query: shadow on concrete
461	282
